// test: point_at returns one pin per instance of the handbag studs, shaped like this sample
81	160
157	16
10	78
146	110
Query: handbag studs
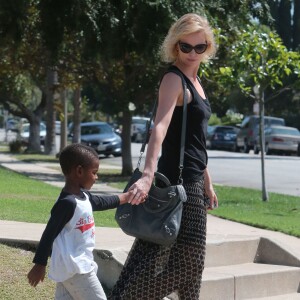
168	230
171	194
124	216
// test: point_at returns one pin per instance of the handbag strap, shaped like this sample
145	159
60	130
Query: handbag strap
183	130
183	127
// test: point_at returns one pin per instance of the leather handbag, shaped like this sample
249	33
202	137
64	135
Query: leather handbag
158	219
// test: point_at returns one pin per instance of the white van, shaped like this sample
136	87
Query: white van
249	131
138	128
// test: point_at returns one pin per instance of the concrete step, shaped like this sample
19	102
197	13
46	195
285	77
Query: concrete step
235	268
280	297
233	251
250	280
239	250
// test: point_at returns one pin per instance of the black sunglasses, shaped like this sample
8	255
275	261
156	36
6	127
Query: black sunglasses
187	48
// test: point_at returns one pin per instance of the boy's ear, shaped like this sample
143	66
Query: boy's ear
79	170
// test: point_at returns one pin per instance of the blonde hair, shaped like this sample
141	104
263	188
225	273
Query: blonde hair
187	24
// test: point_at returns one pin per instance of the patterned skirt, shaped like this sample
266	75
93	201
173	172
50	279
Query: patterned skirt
152	272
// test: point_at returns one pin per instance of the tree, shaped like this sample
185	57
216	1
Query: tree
70	32
44	40
259	61
286	15
21	60
227	24
116	43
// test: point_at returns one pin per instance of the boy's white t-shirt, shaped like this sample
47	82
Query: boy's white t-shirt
72	251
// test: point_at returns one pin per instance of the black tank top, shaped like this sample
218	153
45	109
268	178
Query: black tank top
195	155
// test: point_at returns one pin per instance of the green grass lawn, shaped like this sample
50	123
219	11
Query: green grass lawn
28	200
15	264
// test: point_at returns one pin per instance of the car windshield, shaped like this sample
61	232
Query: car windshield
276	122
226	130
25	127
287	131
139	121
96	129
210	129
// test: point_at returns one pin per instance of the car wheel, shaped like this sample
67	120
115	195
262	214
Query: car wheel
138	138
298	152
267	149
233	149
236	148
246	148
133	138
256	149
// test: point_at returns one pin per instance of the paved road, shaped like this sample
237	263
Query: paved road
233	169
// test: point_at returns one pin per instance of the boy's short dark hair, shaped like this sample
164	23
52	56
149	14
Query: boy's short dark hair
76	154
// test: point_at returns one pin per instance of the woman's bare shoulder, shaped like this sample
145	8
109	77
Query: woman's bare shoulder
170	80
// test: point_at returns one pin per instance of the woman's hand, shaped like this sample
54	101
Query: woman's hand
139	190
213	199
209	191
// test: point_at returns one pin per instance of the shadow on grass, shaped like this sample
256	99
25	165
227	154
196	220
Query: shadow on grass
32	158
106	177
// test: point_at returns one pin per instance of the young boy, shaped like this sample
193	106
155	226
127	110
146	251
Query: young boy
70	231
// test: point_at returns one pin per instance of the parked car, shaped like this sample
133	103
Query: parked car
12	125
143	135
101	137
210	128
221	137
57	127
249	131
116	127
24	133
281	139
138	128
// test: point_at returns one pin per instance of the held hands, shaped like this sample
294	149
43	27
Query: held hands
36	274
139	191
125	197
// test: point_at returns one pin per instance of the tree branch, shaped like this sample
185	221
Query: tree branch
277	93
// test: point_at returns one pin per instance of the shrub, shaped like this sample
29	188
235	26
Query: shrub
15	146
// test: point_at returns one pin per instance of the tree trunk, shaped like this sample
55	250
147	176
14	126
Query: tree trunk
262	144
34	141
126	144
274	11
296	25
50	147
76	116
285	23
64	122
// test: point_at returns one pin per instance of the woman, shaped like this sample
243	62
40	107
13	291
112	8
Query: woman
152	271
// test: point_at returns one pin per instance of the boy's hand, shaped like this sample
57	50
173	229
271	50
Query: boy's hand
36	274
125	197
